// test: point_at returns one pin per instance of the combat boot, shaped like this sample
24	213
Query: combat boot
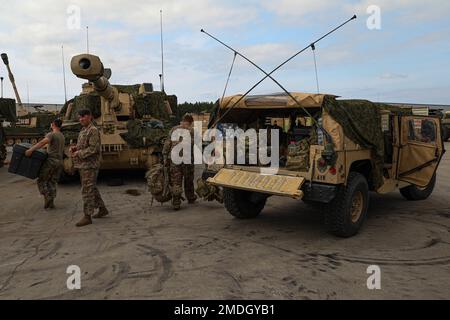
48	203
86	220
102	212
192	200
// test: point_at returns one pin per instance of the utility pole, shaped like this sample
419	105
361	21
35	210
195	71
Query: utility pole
1	78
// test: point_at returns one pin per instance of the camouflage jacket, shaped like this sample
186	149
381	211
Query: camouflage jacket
169	144
88	148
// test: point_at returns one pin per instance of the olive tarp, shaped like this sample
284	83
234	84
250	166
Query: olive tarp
138	130
8	109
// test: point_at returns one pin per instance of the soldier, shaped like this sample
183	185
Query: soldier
86	158
179	171
51	169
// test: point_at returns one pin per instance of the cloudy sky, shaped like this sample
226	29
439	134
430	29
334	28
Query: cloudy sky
406	60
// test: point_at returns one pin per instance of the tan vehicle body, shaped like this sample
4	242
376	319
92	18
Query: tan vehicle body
413	162
116	109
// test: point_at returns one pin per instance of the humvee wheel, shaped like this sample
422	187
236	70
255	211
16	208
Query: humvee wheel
348	210
241	204
445	133
414	193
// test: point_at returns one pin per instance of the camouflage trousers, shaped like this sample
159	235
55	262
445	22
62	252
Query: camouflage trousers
48	178
177	173
91	196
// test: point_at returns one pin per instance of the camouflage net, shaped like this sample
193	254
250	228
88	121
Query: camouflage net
8	109
142	134
173	102
361	122
44	119
89	101
71	132
150	104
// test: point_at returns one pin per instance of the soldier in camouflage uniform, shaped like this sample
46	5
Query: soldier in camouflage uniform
179	171
86	157
51	169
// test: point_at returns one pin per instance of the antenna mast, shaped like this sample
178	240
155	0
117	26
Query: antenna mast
87	39
162	52
64	74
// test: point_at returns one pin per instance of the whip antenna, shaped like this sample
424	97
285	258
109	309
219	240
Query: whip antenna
313	48
162	51
64	74
269	75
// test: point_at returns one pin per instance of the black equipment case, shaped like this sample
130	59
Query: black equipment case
22	165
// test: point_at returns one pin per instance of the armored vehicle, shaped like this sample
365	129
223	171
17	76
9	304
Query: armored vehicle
332	152
7	114
28	127
130	118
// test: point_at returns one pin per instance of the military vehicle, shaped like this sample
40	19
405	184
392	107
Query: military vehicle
333	158
28	127
130	118
7	114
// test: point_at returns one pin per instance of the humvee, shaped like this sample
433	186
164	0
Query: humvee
353	147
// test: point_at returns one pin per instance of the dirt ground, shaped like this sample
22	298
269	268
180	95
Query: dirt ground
152	252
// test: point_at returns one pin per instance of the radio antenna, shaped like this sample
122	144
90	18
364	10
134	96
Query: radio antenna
87	39
64	73
162	51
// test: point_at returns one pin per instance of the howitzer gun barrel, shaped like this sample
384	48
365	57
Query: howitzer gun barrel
5	59
90	67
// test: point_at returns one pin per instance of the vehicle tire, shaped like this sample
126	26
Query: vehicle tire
414	193
241	204
345	215
446	133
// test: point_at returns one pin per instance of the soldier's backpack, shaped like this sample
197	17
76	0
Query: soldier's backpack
208	192
158	183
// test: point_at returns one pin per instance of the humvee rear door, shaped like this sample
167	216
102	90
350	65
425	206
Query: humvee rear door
421	149
279	185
